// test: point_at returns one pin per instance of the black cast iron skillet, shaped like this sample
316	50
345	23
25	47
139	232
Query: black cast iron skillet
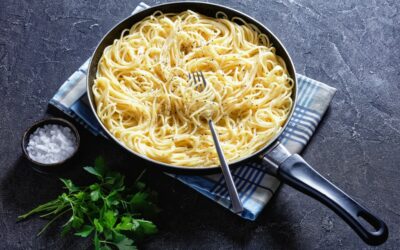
289	168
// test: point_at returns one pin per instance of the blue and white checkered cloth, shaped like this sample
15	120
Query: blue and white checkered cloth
254	185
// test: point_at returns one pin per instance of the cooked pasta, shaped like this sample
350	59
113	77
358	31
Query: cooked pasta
145	99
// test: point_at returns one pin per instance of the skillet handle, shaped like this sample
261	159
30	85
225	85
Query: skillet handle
296	172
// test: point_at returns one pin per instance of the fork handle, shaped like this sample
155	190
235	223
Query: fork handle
237	205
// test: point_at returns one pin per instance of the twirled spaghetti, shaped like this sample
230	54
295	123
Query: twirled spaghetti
144	98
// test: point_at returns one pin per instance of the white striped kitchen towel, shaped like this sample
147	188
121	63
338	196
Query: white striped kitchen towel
254	185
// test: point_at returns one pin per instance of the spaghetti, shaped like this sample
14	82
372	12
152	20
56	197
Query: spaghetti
145	99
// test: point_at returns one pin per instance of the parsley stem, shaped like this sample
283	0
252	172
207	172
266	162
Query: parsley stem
54	211
140	175
55	218
107	242
44	207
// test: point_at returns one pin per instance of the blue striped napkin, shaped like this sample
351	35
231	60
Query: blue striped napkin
254	185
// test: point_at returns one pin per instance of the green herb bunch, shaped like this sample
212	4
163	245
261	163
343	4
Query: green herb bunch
108	210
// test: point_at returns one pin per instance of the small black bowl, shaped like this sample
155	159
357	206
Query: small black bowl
51	167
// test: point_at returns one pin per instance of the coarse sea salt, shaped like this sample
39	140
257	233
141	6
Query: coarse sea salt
51	144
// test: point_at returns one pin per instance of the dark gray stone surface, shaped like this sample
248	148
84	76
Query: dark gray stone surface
351	45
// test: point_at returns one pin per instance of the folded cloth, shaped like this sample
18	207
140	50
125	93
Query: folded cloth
254	185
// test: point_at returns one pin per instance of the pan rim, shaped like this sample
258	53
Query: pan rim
196	170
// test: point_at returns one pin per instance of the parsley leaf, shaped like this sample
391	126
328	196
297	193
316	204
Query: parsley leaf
109	219
94	171
85	231
95	195
97	224
69	185
100	163
125	224
125	244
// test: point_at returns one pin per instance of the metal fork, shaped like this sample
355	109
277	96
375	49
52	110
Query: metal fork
237	205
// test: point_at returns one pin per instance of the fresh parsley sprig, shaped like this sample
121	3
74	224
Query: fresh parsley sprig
106	209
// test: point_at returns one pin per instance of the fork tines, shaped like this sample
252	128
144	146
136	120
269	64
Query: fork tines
198	77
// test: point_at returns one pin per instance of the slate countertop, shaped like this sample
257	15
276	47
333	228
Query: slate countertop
351	45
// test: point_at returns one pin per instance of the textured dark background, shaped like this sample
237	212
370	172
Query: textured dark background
351	45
